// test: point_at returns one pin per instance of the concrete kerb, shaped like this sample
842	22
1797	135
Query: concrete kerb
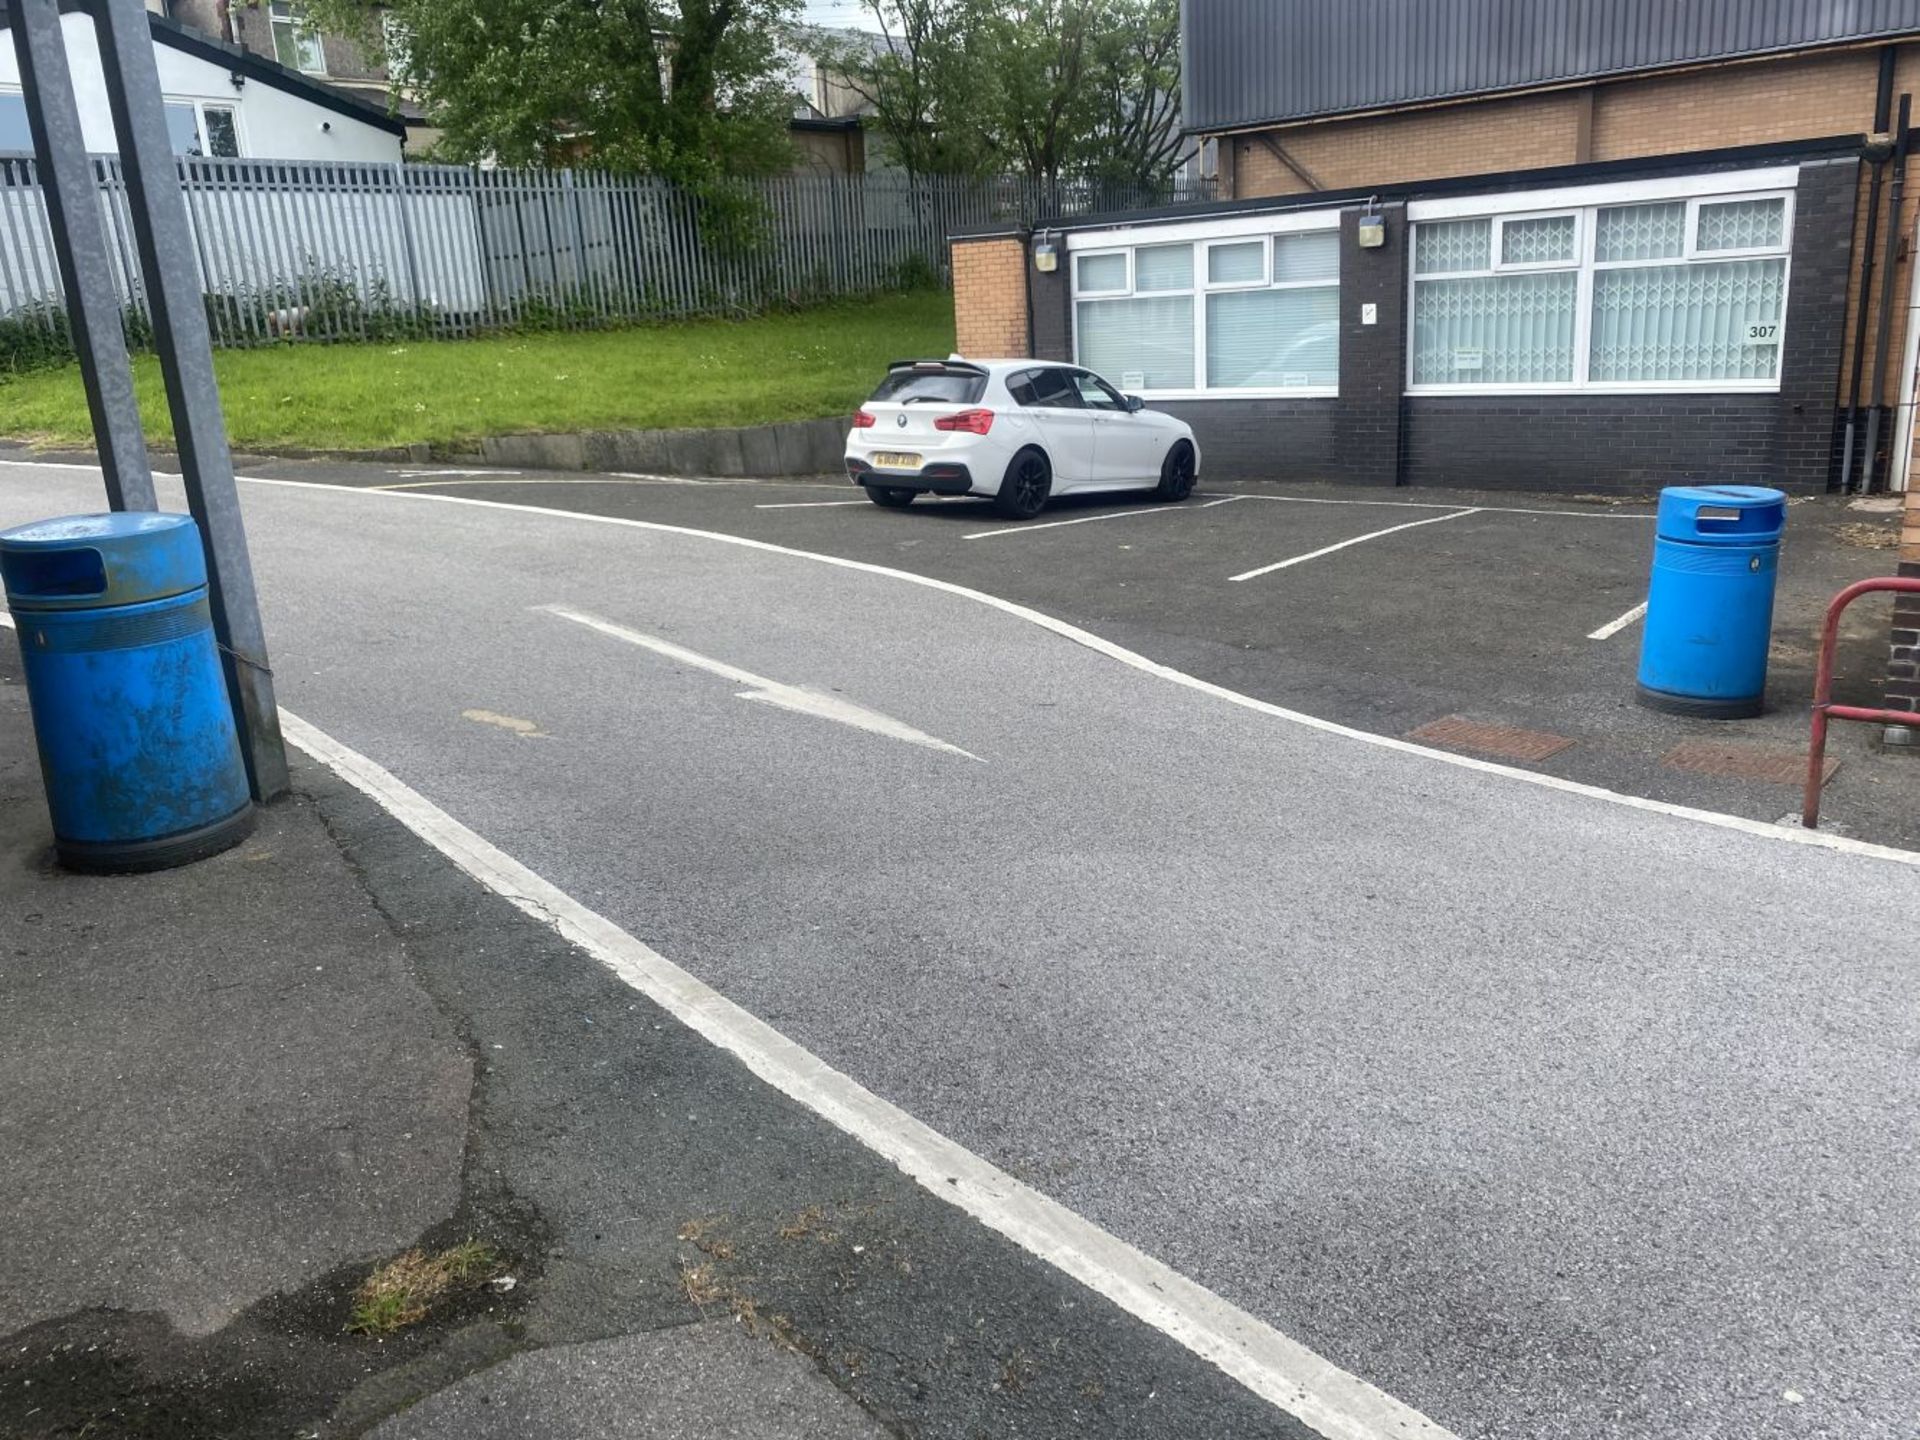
799	447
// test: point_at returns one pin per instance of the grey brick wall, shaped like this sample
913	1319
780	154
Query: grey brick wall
1809	401
1593	444
1262	439
1051	297
1367	423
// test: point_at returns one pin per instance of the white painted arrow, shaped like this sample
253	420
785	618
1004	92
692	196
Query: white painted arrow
797	698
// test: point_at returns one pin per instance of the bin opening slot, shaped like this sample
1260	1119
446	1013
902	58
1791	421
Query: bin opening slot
1720	519
57	573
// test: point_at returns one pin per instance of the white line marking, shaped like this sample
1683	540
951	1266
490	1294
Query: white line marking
1719	820
1614	627
1356	540
1223	500
809	504
797	698
1281	1371
1083	520
1435	505
430	474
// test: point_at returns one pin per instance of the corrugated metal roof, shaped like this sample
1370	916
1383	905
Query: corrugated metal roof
1249	61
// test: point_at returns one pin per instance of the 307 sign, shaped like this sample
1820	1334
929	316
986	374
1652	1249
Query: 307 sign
1763	334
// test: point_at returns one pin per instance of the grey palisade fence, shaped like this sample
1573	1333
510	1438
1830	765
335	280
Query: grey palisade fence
316	250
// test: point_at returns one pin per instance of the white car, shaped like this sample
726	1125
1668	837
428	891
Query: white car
1020	431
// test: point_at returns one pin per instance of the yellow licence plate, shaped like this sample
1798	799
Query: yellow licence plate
895	460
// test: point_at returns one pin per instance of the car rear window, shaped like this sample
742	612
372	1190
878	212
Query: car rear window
945	387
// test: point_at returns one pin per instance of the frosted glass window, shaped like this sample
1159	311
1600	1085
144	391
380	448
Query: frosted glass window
1742	225
1150	337
183	129
1495	329
1451	245
1547	240
1163	267
1306	257
1273	339
1240	264
1101	272
1641	232
1688	322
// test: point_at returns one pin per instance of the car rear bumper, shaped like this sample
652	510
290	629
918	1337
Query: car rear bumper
943	477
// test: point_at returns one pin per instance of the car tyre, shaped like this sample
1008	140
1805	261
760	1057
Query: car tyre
1176	474
892	497
1025	487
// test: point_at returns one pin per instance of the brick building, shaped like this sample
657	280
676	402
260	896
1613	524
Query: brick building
1587	247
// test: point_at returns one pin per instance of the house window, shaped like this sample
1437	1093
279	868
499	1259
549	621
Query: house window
1249	312
1682	293
294	45
203	128
14	133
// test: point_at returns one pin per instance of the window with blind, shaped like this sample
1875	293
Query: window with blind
1665	294
1248	313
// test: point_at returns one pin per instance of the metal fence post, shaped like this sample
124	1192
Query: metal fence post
80	252
165	243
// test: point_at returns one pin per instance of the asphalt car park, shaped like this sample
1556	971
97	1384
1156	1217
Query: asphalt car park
1506	619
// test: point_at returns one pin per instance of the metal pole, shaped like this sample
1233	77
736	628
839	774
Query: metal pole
165	242
80	251
1894	234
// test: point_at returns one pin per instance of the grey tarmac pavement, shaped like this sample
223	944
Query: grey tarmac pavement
694	1383
1549	1116
232	1088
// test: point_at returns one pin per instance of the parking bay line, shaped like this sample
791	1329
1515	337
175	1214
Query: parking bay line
1356	540
1436	505
1614	627
797	698
1089	519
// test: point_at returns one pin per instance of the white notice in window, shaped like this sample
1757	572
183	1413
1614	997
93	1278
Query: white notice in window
1133	379
1468	359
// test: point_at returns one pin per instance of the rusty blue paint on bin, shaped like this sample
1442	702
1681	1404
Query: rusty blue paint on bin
136	735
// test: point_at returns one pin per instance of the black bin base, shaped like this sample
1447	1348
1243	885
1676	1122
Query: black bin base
1694	707
134	857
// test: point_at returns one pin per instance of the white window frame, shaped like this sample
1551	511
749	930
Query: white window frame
200	106
1203	267
1587	202
295	22
1202	235
1126	288
1504	267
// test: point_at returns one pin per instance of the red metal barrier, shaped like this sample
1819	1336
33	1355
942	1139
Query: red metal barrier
1823	706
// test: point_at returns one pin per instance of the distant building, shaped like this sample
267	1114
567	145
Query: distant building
221	100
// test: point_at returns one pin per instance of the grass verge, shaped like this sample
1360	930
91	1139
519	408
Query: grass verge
794	366
402	1291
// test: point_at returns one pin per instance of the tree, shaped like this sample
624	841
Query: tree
918	80
1133	87
1042	88
689	89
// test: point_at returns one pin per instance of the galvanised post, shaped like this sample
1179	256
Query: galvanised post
164	239
80	251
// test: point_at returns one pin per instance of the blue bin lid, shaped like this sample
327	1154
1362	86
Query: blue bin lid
1722	514
86	562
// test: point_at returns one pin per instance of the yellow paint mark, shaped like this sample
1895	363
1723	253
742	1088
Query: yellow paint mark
525	729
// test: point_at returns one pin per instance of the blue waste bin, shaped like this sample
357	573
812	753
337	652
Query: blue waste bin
1716	553
138	749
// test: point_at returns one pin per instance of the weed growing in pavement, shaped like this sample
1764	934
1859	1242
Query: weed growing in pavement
402	1291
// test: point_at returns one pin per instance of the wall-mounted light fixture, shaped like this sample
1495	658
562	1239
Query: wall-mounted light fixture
236	79
1371	233
1046	254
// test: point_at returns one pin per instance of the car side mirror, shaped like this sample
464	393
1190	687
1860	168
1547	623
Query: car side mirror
1134	404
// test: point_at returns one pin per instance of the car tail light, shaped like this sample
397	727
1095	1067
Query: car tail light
974	422
862	420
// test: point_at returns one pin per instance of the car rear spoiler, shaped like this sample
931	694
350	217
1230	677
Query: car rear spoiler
939	367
